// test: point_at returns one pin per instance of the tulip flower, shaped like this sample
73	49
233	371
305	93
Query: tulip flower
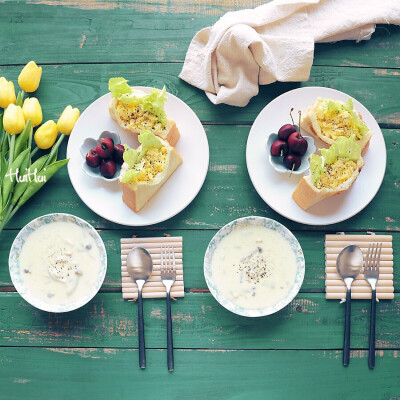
33	111
13	119
7	93
67	120
29	78
46	135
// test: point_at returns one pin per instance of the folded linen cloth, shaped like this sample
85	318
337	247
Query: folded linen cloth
275	42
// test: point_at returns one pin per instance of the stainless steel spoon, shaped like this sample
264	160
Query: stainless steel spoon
348	264
140	266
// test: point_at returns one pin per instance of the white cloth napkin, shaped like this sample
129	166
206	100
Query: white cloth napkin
275	42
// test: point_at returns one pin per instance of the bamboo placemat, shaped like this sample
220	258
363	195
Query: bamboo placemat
153	288
335	288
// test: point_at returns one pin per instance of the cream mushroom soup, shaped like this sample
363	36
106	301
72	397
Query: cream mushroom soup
60	263
253	267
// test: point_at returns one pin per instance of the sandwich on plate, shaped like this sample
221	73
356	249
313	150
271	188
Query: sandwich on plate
331	173
146	169
331	119
135	110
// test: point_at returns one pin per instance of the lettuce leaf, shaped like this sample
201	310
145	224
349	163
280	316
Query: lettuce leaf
132	156
152	102
129	175
316	166
332	105
343	147
119	87
148	141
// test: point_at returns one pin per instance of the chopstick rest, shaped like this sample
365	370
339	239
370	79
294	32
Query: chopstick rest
154	288
335	288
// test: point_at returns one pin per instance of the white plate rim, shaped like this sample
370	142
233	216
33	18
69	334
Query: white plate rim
319	92
205	165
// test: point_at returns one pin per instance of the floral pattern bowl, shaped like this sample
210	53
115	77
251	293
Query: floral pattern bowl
268	223
14	266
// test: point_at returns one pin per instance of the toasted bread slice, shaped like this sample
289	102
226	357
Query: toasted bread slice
136	194
311	123
306	194
133	119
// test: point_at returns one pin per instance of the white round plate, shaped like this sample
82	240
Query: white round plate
276	189
15	272
267	223
105	198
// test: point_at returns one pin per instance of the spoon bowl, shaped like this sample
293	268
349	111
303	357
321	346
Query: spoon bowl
140	266
349	263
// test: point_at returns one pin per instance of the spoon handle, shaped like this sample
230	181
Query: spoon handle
371	355
346	344
142	354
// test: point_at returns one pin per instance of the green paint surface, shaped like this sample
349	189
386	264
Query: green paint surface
91	353
198	322
104	373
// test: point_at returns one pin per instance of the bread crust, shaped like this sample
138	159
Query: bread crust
306	194
309	123
136	195
170	133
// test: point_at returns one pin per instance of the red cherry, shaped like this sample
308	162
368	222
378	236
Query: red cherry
285	131
105	147
118	153
108	168
292	162
279	148
297	144
92	158
108	140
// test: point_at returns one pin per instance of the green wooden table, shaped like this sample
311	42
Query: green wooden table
92	353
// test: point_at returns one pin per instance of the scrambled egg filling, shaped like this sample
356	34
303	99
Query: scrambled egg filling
134	117
335	123
150	165
336	173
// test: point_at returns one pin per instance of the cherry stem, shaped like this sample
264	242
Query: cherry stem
293	165
299	122
291	115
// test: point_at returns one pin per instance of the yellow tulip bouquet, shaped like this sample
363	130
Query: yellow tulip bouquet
20	175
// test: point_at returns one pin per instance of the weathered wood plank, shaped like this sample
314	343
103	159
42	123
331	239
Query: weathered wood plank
91	353
309	322
195	243
226	194
89	33
202	7
82	84
50	373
